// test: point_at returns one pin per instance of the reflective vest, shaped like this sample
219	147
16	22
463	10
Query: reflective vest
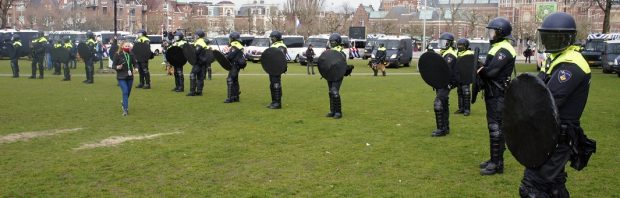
465	53
143	39
569	55
338	48
57	45
278	44
237	44
40	40
503	44
17	44
201	42
91	42
179	43
68	45
448	51
382	49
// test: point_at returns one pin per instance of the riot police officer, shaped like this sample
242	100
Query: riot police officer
380	59
567	76
66	70
38	54
17	45
55	62
275	82
179	81
441	105
235	56
495	74
335	106
90	62
143	67
197	75
463	89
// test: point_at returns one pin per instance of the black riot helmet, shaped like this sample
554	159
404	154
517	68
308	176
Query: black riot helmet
142	32
200	33
40	33
275	36
178	35
446	40
462	44
16	37
234	36
557	32
90	35
67	39
335	40
498	29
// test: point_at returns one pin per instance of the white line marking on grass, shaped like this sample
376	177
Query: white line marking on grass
249	74
116	140
25	136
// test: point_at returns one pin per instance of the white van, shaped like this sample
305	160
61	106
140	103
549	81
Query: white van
294	46
319	45
219	43
156	41
254	51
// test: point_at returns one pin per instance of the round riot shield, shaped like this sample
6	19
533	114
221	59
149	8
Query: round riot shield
530	120
273	61
142	52
220	58
332	65
434	70
190	54
175	56
85	52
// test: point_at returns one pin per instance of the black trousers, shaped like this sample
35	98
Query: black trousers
179	80
232	81
335	105
547	180
495	106
15	67
145	75
90	70
66	71
37	62
442	107
57	67
197	78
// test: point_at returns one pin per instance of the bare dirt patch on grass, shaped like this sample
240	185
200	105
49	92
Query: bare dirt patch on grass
116	140
25	136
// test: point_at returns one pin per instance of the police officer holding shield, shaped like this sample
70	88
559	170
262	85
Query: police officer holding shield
179	81
275	81
197	75
463	89
66	70
567	76
441	106
495	74
335	106
235	56
143	66
17	45
55	62
38	55
90	62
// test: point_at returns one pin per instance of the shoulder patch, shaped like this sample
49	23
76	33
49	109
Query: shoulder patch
501	56
449	60
564	75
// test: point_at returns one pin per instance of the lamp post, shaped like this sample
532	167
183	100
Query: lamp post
115	18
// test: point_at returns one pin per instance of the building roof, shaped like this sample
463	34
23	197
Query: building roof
377	14
368	8
395	12
225	2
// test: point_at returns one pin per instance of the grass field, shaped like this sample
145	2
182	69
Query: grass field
381	148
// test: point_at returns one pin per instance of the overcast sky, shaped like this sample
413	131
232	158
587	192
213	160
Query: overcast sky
334	5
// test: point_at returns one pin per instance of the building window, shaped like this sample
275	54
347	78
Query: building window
104	10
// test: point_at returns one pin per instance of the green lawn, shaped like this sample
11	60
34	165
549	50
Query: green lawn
381	148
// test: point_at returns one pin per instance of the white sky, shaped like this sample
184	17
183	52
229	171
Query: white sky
334	5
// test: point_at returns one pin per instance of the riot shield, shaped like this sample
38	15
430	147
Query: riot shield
434	70
189	51
142	52
273	61
332	65
86	53
220	58
531	121
175	56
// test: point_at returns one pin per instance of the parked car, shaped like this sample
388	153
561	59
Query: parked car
319	44
611	57
256	48
484	47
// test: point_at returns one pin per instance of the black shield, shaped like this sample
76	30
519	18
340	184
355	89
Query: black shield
190	53
465	66
12	52
175	56
332	65
207	56
476	81
86	53
220	58
54	53
142	52
273	61
530	119
64	55
434	70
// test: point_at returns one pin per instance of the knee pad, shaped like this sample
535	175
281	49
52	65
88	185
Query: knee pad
466	91
438	105
276	85
192	76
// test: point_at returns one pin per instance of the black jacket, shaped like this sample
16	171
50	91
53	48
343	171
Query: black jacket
123	74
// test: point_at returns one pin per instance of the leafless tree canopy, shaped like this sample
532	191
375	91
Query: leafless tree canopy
5	5
306	11
605	5
455	6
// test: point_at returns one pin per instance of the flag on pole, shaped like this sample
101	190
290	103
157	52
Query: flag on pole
297	23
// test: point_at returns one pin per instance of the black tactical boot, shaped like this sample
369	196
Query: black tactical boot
229	91
441	126
466	104
337	107
181	83
331	106
496	164
192	87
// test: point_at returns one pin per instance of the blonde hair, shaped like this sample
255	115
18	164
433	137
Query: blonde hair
120	47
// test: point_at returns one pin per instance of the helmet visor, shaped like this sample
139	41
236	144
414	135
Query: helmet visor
491	33
551	42
442	43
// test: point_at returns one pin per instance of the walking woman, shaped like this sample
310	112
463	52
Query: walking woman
124	64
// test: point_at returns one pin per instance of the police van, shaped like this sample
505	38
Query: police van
319	44
219	43
484	47
594	47
399	50
294	46
75	36
254	51
611	57
6	42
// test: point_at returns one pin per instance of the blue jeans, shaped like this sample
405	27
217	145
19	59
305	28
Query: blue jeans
125	85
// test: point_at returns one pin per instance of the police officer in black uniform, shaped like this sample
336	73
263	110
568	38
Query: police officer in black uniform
235	56
17	45
69	46
90	63
441	105
275	81
179	80
38	55
567	76
197	75
56	63
495	74
335	106
463	89
143	67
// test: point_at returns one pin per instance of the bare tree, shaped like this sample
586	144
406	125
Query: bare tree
347	11
472	17
306	11
583	27
5	6
453	10
276	20
605	5
332	22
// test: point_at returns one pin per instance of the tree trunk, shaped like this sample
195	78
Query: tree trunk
607	16
4	19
